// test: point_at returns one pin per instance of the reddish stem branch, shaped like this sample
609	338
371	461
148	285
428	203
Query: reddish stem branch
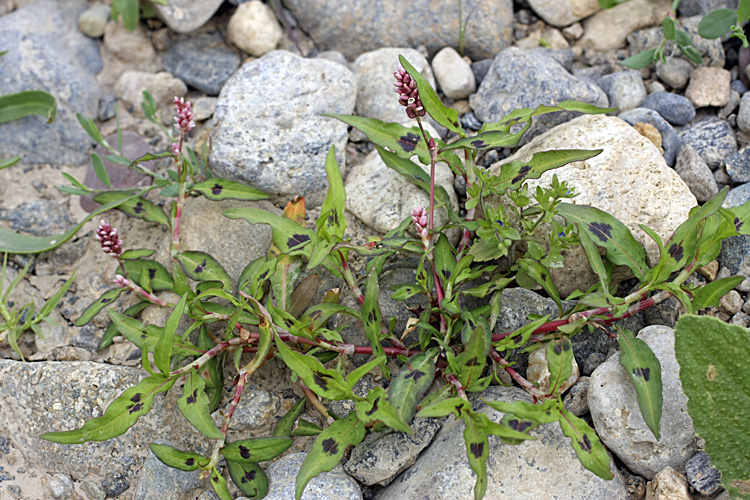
242	378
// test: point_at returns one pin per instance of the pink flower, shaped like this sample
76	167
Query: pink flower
184	117
420	219
109	240
408	95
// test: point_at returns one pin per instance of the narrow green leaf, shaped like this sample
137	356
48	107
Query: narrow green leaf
138	207
545	413
128	10
103	301
377	408
713	370
522	425
478	450
489	139
595	260
410	385
472	361
201	266
710	294
29	102
586	444
444	260
515	173
540	274
219	484
145	337
249	478
139	253
118	159
717	23
445	116
222	189
355	375
111	332
100	170
195	406
256	450
520	336
332	215
441	408
743	11
371	317
211	371
158	276
608	232
324	382
9	162
414	174
120	415
328	449
178	459
640	60
287	234
90	127
559	360
306	428
644	370
163	348
286	423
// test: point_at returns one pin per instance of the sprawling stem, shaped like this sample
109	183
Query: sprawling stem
181	178
215	457
313	398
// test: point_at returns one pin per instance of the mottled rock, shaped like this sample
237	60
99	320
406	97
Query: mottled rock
619	423
743	117
668	485
608	29
253	28
275	138
157	480
162	86
38	218
61	486
576	400
670	141
675	72
202	61
565	13
712	138
738	166
702	475
544	468
453	74
388	23
184	16
133	47
625	89
115	484
709	86
693	170
332	485
674	108
255	411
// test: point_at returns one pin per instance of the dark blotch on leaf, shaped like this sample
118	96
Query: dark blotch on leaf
215	479
676	252
476	449
151	273
135	408
585	443
136	397
409	142
217	189
330	446
192	399
479	144
737	223
138	208
371	317
200	267
644	373
373	410
557	349
601	230
320	382
519	425
248	476
244	452
473	362
521	174
566	345
189	462
297	239
416	375
106	300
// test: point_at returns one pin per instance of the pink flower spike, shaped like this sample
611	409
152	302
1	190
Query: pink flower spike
175	149
408	94
109	241
184	117
121	280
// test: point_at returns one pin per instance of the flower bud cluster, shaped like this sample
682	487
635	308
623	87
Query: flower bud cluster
420	219
109	240
408	94
184	117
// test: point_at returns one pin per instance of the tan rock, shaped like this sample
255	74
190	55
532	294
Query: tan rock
564	12
668	485
607	29
129	46
254	29
538	371
163	86
709	86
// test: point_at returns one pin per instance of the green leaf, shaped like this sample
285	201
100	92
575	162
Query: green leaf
713	369
545	413
29	102
710	294
444	260
669	29
743	11
540	274
445	116
222	189
559	360
145	337
644	370
111	332
158	276
324	382
328	449
692	53
178	459
640	60
287	234
478	450
211	371
306	428
414	174
586	444
371	318
441	408
377	408
200	266
100	170
717	23
286	423
515	173
332	215
163	347
137	207
140	253
90	127
355	375
121	414
219	484
595	260
472	361
9	162
410	385
256	450
128	10
489	139
249	478
103	301
195	406
608	232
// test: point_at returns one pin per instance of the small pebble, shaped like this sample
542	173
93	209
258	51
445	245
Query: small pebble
731	302
738	87
14	490
710	270
93	20
709	86
61	486
743	117
668	485
654	86
93	491
453	74
470	121
115	485
253	28
675	73
732	105
740	319
702	475
573	32
674	108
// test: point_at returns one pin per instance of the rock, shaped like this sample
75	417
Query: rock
391	23
703	7
573	32
735	252
576	400
253	28
738	166
162	86
374	73
743	117
203	108
563	13
538	373
53	396
107	107
335	56
712	138
668	485
548	39
202	61
649	38
651	133
608	29
453	74
184	16
384	455
624	89
675	73
157	480
57	60
520	79
133	47
693	170
727	111
93	20
702	475
629	179
655	86
731	302
674	108
544	468
709	86
619	423
470	121
335	484
275	138
737	196
480	69
93	491
38	218
381	197
255	411
670	141
61	486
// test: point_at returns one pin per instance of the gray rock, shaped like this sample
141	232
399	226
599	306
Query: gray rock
107	107
333	485
184	16
384	455
52	396
92	21
470	121
738	166
115	484
520	79
374	74
57	60
693	170
664	313
38	218
735	253
702	475
703	7
675	73
544	468
274	137
61	486
619	423
480	69
608	29
743	117
670	141
202	61
712	138
255	411
734	102
576	400
738	87
93	491
563	13
625	89
391	23
132	48
157	480
674	108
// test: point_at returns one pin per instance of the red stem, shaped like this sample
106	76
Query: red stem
235	401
